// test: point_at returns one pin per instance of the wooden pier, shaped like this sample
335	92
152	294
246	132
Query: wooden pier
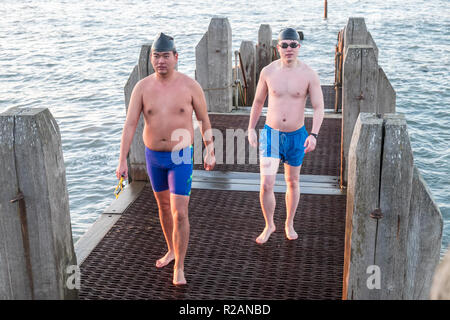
223	260
368	226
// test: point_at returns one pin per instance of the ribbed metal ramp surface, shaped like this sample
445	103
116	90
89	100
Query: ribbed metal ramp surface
223	260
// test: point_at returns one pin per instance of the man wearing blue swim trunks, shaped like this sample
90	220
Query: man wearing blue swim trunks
167	99
287	81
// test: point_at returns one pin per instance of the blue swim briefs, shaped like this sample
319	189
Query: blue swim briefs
286	146
170	170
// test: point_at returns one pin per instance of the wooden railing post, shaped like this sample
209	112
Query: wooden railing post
393	227
365	87
395	196
359	92
362	200
37	257
213	56
137	170
356	34
263	49
424	240
248	56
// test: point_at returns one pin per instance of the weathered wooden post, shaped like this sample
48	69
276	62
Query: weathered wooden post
393	226
362	199
263	49
338	63
136	157
213	56
275	53
248	56
365	87
385	94
395	196
424	240
356	34
37	257
359	92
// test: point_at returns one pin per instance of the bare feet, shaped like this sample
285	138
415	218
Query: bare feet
178	277
290	232
264	236
164	261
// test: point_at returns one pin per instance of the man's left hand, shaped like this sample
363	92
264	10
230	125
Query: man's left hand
310	144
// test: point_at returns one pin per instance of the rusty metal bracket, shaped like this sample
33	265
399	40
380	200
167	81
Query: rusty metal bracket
25	237
18	197
376	214
360	97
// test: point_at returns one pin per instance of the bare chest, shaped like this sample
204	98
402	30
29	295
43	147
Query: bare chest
290	85
168	102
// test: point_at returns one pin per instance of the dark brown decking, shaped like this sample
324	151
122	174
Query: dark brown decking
223	260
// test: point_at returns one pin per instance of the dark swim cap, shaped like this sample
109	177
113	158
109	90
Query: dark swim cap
163	43
288	34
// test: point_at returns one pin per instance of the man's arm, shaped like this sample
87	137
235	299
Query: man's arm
258	103
316	97
129	128
201	112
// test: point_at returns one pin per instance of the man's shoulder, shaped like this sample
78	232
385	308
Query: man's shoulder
147	81
188	81
270	69
185	78
271	66
305	67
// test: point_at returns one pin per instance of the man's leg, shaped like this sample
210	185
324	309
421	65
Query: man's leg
165	217
291	176
268	171
180	237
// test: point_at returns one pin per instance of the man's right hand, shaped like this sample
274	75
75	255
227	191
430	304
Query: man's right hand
210	161
122	169
252	138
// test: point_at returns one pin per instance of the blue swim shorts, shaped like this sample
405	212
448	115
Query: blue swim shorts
286	146
170	170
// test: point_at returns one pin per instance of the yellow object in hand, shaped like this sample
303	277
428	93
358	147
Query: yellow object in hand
119	187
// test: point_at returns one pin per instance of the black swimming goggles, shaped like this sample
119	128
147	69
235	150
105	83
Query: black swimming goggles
293	45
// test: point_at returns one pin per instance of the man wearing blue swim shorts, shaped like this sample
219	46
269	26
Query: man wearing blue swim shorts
167	99
287	81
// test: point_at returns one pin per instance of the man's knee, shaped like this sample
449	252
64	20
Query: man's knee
164	206
163	202
267	184
292	182
180	215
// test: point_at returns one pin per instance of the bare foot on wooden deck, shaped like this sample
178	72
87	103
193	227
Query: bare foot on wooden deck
164	261
264	236
290	232
178	277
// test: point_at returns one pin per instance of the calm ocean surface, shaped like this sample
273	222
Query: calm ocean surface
74	57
